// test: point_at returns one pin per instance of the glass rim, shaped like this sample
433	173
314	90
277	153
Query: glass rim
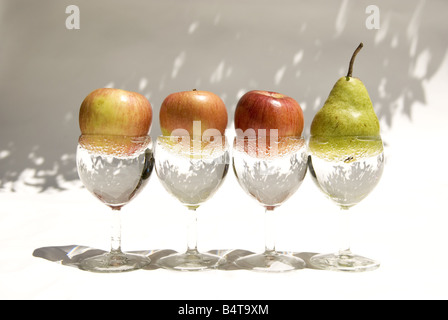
192	138
113	135
115	145
302	137
358	136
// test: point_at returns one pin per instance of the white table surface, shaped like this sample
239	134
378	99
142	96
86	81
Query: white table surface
406	233
402	224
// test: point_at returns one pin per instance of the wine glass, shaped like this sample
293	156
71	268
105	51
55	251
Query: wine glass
346	170
191	170
270	172
114	169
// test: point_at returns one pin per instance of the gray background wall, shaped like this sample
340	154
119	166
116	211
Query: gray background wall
299	48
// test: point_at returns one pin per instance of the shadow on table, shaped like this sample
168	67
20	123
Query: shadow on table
229	256
72	255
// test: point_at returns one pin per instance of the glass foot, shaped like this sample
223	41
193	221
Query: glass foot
114	262
189	261
270	262
343	262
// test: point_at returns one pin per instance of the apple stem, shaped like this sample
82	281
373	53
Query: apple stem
352	60
194	90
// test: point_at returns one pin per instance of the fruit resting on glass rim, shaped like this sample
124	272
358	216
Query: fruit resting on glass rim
180	110
346	149
110	111
265	110
346	127
118	146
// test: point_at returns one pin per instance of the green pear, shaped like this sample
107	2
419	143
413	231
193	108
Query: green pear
346	125
348	110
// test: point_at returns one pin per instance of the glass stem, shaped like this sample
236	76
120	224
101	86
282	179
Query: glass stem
269	230
116	230
192	220
344	232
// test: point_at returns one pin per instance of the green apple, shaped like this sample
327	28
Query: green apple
110	111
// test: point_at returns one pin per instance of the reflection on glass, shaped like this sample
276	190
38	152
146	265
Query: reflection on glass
114	169
270	172
191	171
346	170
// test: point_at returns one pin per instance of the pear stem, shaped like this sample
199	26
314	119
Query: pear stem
352	60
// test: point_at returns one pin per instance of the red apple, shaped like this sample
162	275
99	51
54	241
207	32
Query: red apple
117	112
193	113
268	110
